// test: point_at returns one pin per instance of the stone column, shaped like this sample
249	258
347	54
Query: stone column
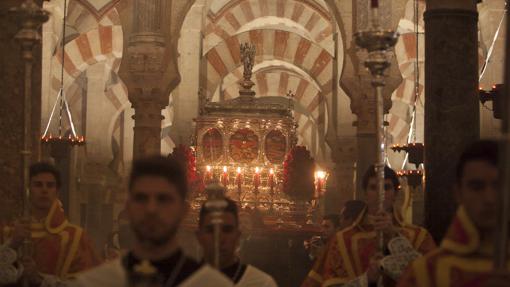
451	103
149	69
185	96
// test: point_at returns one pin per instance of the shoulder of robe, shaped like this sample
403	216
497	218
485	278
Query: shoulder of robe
256	277
207	276
109	274
73	228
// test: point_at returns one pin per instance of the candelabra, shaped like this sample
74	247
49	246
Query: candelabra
320	189
377	41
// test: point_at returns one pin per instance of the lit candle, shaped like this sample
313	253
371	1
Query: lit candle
320	176
238	177
271	178
208	173
224	176
256	178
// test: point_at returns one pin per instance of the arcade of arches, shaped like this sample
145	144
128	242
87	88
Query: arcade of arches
135	85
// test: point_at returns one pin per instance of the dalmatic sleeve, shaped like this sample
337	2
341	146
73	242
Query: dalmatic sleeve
425	242
408	279
418	273
329	268
85	258
315	276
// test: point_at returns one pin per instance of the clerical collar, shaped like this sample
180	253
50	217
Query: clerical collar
235	271
175	267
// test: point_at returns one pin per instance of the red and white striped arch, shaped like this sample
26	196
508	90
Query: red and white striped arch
278	82
101	44
270	45
227	18
403	98
83	20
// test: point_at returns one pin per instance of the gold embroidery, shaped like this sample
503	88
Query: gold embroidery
335	281
446	264
72	251
474	239
354	245
315	276
343	252
47	222
64	241
420	269
422	234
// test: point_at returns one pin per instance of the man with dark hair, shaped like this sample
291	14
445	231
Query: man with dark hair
352	257
329	226
155	207
464	257
351	211
242	275
60	249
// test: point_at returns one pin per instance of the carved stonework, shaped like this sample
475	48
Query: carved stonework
150	71
147	130
146	59
99	8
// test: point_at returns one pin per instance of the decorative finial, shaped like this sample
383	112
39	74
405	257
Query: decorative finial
145	268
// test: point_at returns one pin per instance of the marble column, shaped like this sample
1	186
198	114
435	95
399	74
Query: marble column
11	110
185	96
149	69
451	103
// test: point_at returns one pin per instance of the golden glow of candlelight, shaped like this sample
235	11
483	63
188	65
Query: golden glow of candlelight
271	171
225	169
208	168
257	170
238	170
320	174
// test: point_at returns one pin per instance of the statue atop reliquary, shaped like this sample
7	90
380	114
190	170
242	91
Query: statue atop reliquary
248	59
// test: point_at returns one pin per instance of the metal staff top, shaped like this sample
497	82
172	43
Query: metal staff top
215	206
377	42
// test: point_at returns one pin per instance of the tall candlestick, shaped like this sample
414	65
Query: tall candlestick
239	181
224	176
256	178
208	174
271	178
320	176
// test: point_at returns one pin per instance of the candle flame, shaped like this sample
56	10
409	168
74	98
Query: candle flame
321	174
208	168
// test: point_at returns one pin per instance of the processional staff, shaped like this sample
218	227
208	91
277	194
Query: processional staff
500	254
215	205
377	42
31	16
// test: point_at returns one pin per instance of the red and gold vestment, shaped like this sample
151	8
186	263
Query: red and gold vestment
59	247
347	255
461	260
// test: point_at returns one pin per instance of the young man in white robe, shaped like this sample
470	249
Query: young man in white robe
243	275
156	206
